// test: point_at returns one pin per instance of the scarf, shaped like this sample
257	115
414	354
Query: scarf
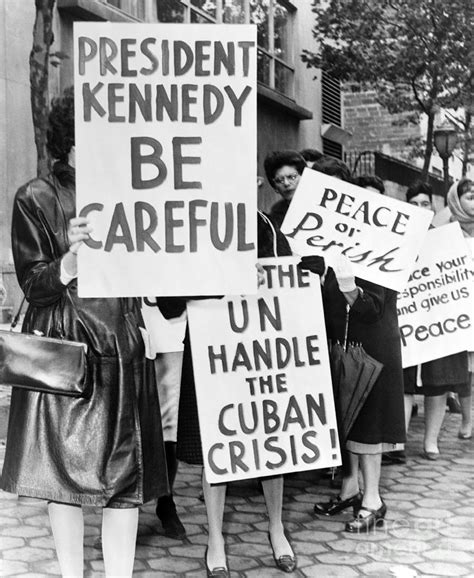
458	213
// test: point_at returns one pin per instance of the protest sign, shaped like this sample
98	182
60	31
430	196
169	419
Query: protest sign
263	380
435	309
381	236
166	158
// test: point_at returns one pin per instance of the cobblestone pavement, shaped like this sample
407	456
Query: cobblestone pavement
428	529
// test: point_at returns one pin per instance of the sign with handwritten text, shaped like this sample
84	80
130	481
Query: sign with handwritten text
381	236
435	311
162	113
263	381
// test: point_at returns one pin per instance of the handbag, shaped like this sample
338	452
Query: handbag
43	364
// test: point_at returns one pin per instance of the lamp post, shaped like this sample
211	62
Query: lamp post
445	139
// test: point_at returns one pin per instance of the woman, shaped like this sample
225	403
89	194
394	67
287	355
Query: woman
380	425
283	170
270	243
454	372
104	451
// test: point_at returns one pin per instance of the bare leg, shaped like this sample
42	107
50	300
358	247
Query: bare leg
435	408
409	400
350	483
67	524
370	465
214	497
466	423
273	492
119	536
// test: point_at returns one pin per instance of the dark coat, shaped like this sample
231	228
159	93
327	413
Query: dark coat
106	450
189	438
373	321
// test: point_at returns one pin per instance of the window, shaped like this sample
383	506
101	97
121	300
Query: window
274	21
134	7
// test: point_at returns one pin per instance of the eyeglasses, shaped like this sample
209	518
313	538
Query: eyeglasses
292	178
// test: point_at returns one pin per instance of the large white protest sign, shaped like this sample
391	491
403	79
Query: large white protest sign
435	311
381	236
263	380
166	158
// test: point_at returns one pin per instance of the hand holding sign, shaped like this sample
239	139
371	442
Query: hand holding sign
344	274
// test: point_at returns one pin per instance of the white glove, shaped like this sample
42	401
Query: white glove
344	274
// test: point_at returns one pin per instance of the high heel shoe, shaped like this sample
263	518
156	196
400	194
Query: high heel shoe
219	571
365	523
286	563
336	505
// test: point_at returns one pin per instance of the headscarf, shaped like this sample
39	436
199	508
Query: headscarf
458	213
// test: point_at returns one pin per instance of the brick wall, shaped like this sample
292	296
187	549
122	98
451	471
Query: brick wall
372	127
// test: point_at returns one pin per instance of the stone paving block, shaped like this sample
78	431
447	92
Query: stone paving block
428	513
447	555
245	563
456	532
28	554
381	569
316	536
308	548
442	569
456	544
462	521
48	567
40	520
23	531
338	558
7	542
436	503
44	542
188	552
327	571
175	564
11	567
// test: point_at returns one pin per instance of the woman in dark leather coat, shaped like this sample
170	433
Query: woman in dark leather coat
106	450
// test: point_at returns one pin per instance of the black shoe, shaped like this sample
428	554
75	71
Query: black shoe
219	572
395	457
336	505
166	512
364	524
453	405
286	563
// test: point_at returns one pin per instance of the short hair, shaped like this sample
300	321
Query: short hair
370	181
311	155
60	134
463	186
277	159
334	168
419	188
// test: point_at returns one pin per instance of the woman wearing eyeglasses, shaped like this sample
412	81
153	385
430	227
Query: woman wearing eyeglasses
283	170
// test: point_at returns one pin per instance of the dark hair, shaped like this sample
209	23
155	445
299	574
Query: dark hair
334	168
60	135
419	188
311	155
277	159
463	186
370	181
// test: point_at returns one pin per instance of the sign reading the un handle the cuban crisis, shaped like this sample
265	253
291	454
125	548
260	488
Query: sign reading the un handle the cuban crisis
435	311
263	381
166	158
381	236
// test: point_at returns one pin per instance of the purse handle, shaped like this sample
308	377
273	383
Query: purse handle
15	319
346	328
274	235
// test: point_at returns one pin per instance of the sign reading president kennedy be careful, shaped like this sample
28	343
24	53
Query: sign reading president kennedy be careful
166	158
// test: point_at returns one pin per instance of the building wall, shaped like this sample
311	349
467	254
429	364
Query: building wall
17	150
373	127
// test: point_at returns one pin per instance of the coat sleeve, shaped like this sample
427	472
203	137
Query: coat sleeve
35	252
369	306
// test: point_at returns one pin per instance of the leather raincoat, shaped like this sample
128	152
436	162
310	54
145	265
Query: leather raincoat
106	450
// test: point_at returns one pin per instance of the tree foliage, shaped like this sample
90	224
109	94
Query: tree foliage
39	75
414	54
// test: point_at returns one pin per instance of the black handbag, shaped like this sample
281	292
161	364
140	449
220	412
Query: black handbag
43	364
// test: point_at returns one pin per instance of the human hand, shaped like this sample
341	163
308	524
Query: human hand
344	274
78	232
260	274
313	263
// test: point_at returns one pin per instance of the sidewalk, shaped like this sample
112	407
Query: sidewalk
428	531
